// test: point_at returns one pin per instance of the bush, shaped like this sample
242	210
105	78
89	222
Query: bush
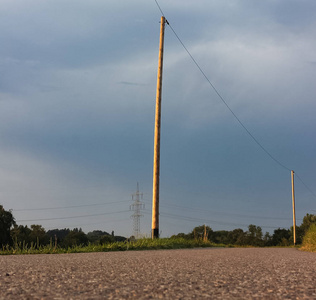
309	239
6	222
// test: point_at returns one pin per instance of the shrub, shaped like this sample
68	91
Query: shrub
309	239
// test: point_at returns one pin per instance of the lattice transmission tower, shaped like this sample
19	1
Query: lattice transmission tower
137	206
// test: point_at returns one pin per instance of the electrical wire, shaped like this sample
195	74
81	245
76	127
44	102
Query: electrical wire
159	8
220	212
226	104
66	207
305	184
73	217
221	97
87	224
209	221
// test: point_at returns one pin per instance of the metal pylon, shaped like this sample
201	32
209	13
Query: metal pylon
137	206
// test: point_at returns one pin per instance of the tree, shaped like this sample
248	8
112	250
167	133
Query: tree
237	237
281	237
267	239
75	237
308	220
96	235
21	234
198	232
60	234
107	239
6	222
38	235
254	236
221	237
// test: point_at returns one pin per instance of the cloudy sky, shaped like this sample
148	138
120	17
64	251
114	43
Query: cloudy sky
77	105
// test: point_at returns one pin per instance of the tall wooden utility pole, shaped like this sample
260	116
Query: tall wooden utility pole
293	206
155	212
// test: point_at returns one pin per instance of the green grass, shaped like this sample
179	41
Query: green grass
309	240
142	244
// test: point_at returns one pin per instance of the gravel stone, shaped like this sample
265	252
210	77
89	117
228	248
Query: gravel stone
232	273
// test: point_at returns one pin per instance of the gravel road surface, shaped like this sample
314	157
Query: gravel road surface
250	273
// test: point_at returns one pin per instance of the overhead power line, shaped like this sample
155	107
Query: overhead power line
73	217
221	97
71	206
305	185
226	104
86	224
159	8
196	209
208	221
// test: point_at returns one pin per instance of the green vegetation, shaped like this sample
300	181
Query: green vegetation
237	237
6	222
20	239
309	240
141	244
253	236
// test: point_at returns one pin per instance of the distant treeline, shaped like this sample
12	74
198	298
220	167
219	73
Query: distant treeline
63	238
36	236
253	236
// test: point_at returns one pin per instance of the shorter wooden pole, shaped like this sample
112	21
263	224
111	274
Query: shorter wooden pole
293	206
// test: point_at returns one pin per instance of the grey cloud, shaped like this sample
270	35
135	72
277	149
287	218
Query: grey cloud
131	83
78	95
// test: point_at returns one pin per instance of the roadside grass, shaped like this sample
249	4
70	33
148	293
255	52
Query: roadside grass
141	244
309	240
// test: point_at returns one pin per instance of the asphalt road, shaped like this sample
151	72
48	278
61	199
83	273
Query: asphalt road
250	273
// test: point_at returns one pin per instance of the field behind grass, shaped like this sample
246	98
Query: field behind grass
141	244
309	244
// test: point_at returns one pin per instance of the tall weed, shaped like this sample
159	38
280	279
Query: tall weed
141	244
309	239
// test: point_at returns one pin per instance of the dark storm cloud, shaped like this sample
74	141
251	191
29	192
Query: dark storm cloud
77	96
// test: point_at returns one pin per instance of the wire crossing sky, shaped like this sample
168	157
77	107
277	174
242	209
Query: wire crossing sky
222	99
77	100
